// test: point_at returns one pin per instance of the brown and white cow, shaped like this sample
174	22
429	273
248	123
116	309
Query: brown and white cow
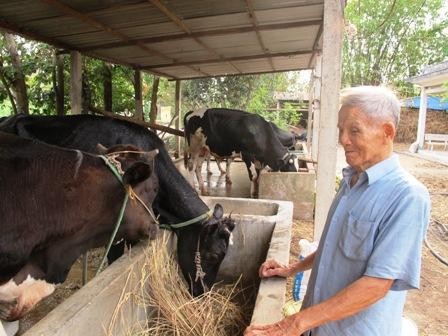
57	203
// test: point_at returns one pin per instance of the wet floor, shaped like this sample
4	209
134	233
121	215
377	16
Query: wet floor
215	183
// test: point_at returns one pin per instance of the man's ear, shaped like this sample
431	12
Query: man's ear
389	130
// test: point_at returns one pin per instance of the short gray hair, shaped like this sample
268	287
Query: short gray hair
377	102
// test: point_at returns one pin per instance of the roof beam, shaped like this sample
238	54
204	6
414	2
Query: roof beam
34	36
95	23
245	74
214	32
316	43
178	21
66	47
254	21
218	60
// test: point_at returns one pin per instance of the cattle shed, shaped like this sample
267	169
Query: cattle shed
430	81
181	39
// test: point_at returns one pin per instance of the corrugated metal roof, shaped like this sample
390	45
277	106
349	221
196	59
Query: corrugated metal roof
177	39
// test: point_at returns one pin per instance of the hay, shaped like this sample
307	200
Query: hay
173	311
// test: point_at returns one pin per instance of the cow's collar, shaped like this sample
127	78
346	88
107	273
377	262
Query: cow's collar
186	223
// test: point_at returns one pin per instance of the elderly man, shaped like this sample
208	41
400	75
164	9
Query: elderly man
370	250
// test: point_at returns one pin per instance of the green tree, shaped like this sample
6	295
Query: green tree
252	93
390	41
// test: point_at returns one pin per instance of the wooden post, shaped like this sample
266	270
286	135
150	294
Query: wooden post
155	89
177	112
60	84
138	115
422	118
76	82
331	83
107	86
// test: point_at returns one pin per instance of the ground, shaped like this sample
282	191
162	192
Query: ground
427	307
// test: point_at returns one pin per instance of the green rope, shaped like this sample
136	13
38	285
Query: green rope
186	223
120	215
111	240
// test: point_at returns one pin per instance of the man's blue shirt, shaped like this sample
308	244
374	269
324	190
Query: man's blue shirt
374	228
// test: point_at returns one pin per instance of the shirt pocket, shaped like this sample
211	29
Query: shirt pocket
356	241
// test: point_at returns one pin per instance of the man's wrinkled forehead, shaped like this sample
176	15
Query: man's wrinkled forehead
351	115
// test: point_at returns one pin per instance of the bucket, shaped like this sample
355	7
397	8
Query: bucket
8	328
408	327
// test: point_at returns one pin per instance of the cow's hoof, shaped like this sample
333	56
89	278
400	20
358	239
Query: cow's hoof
8	310
209	173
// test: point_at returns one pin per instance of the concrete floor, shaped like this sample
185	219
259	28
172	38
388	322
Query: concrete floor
215	184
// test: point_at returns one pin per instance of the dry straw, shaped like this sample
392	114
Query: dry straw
170	308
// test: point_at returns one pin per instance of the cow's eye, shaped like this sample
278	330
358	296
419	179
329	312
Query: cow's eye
212	257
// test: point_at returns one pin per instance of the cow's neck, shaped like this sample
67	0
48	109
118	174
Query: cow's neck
179	206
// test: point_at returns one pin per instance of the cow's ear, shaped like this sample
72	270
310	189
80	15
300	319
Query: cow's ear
218	211
101	149
137	173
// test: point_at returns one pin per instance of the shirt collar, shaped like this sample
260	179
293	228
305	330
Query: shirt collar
375	172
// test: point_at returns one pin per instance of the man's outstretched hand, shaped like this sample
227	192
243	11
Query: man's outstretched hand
272	268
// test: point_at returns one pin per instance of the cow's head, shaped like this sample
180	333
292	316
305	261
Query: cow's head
142	184
286	163
200	269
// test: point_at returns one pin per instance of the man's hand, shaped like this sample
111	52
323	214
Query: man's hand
272	268
285	327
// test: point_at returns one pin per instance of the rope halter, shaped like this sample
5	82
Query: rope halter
200	274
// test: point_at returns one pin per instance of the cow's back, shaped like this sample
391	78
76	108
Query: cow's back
44	189
176	201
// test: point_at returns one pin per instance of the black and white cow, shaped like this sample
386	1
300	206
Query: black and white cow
57	203
176	201
226	131
288	139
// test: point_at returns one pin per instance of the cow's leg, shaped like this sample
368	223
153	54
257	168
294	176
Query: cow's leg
209	172
252	171
228	163
218	163
192	167
198	172
18	296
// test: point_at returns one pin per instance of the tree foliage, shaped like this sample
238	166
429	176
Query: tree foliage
253	93
390	41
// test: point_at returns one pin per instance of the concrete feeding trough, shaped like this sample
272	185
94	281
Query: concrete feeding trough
298	188
263	231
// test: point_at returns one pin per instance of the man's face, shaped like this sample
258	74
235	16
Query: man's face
364	139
